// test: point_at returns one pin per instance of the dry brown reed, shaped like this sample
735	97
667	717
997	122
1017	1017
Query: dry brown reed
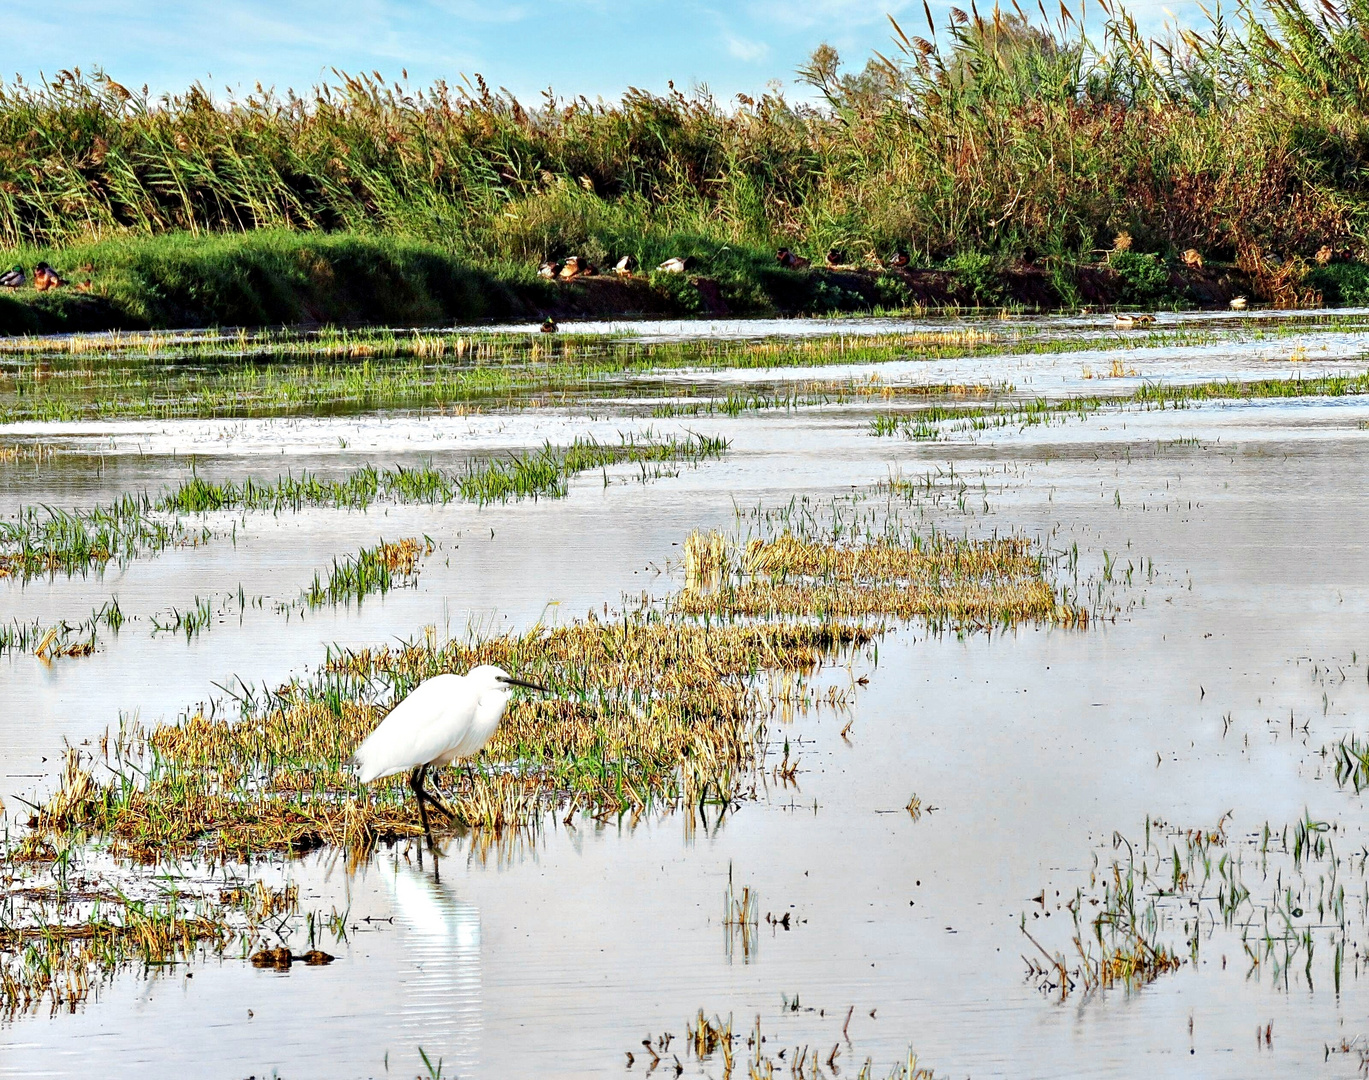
948	582
647	711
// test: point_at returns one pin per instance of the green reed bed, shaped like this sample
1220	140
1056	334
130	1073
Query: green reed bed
539	473
49	540
994	140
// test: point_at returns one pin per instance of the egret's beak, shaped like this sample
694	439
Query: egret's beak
524	683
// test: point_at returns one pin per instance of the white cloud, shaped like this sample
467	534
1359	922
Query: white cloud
749	51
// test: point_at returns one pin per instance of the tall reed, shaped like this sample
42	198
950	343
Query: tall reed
998	134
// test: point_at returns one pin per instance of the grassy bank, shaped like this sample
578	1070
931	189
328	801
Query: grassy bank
1010	161
276	276
264	277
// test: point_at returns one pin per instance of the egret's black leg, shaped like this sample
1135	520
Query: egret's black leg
432	798
441	804
416	782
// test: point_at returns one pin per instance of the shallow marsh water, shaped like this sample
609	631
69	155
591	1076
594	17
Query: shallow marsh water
1028	750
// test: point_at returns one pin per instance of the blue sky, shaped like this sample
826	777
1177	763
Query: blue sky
591	47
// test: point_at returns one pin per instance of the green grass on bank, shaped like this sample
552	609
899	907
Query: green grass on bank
266	277
276	276
282	277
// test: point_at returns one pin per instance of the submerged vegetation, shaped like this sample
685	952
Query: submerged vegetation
1177	894
936	421
657	708
166	376
284	374
48	539
761	1053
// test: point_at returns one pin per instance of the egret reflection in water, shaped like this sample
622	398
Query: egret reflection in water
440	1001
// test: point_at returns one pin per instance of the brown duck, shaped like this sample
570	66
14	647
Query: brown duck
45	277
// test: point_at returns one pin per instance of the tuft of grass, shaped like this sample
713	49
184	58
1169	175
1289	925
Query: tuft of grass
371	570
64	639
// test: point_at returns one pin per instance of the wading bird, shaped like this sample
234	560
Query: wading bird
444	718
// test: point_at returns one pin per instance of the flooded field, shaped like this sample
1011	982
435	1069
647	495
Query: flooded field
1008	717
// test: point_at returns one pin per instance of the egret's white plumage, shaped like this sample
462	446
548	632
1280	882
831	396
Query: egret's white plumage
445	718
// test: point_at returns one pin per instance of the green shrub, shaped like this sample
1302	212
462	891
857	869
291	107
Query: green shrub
978	275
1144	278
1065	286
1341	283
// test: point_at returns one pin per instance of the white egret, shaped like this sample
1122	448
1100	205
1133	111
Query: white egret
444	718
